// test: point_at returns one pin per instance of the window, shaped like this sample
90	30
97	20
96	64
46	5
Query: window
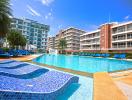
19	26
121	45
114	30
114	45
20	22
121	37
121	29
129	44
129	36
129	27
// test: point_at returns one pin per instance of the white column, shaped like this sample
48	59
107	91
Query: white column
126	45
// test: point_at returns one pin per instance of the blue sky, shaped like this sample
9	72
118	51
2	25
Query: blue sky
82	14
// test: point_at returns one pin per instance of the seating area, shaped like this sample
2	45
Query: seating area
13	52
105	55
32	81
120	56
4	54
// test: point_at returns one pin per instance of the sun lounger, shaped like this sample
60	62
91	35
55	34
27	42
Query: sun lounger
46	87
4	54
7	61
120	56
105	55
18	68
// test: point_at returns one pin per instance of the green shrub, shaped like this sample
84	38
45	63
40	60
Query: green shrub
5	49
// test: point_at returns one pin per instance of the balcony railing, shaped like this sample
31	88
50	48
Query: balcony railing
123	46
116	39
129	37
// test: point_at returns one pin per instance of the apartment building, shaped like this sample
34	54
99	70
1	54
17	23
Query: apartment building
108	37
72	36
90	40
51	43
122	36
35	33
57	38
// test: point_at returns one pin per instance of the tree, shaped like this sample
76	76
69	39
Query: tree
16	39
62	45
23	41
5	13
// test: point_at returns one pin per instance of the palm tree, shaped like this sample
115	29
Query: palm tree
5	13
62	45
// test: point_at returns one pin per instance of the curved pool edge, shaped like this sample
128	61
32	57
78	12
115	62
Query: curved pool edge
81	72
64	69
87	74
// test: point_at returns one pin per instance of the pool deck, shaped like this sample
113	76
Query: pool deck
124	81
23	58
105	88
27	58
125	77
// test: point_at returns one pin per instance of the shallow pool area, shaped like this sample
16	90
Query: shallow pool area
81	91
84	63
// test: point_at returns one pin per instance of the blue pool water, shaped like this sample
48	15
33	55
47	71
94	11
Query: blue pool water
83	63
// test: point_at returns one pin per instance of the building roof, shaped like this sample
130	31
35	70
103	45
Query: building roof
91	32
121	24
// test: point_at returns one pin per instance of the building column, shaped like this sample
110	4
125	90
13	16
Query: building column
126	45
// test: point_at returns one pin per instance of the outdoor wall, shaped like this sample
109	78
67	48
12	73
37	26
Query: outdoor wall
105	37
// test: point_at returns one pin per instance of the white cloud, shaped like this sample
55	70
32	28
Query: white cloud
46	2
49	14
60	26
46	17
32	11
127	17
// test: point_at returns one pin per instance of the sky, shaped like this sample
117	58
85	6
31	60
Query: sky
87	15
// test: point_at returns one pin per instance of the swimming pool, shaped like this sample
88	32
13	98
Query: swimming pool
83	63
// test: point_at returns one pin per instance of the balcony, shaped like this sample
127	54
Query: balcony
90	48
90	38
121	38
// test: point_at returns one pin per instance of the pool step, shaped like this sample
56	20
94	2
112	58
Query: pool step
105	88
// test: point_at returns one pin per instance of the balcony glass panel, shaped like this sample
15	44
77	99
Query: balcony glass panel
129	36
